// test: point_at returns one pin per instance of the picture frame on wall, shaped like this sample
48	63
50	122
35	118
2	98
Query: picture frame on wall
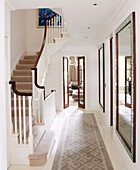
46	12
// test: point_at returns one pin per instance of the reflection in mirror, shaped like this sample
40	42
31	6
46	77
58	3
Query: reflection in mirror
125	84
124	48
101	77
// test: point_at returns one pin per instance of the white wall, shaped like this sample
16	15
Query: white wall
3	141
25	36
54	79
18	35
34	35
121	16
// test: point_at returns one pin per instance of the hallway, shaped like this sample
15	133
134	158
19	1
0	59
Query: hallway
106	132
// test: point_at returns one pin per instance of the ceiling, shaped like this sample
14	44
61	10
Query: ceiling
79	14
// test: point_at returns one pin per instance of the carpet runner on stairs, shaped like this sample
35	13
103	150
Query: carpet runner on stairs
43	140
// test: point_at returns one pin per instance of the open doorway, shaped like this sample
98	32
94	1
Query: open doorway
74	81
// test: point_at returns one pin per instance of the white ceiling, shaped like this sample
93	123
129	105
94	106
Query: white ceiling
79	14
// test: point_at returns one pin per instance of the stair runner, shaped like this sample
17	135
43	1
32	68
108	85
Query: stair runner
43	140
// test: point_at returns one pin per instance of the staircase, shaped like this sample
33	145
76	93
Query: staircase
31	140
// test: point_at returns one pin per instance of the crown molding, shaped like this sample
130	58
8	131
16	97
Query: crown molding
9	5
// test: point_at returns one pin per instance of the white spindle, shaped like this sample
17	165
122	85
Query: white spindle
24	120
30	115
62	18
39	111
20	122
64	28
54	26
49	32
59	28
30	126
52	31
15	112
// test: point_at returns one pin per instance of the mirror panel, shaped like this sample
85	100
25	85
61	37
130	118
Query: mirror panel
101	77
126	84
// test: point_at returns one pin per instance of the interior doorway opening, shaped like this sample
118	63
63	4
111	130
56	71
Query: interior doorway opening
74	81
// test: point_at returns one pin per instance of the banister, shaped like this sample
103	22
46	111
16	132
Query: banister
13	83
44	39
35	81
50	94
38	86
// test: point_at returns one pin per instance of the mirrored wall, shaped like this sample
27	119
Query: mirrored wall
126	85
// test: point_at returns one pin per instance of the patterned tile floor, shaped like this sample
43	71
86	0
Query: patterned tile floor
106	132
81	146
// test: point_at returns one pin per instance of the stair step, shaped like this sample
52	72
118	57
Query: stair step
22	73
41	154
22	86
38	132
24	67
31	57
25	61
22	78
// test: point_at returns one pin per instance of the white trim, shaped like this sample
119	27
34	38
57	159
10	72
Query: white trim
21	55
9	5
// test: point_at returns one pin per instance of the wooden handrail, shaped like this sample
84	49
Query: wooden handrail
13	83
44	39
35	81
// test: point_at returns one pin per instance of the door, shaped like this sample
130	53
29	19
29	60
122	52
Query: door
128	81
65	83
81	82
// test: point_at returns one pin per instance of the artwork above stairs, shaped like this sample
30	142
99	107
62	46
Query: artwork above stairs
33	111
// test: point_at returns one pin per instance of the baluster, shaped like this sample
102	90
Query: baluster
62	21
59	28
30	116
30	125
54	26
49	32
64	28
20	122
15	112
24	120
39	111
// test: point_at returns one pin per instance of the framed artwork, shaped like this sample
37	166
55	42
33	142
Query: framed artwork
46	12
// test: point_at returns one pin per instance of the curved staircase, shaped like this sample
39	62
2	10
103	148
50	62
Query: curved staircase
31	139
42	140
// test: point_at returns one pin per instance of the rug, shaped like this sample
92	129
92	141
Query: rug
81	146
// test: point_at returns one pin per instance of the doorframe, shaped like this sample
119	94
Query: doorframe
80	105
68	55
111	81
67	105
